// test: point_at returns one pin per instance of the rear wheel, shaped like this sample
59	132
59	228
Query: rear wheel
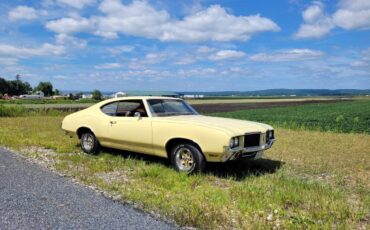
89	143
187	158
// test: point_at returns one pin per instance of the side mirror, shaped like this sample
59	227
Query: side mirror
137	114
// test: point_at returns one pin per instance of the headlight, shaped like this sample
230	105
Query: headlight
272	134
234	142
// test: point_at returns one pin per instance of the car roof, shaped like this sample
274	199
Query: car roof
136	98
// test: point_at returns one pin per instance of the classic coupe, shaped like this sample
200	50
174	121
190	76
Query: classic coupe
170	128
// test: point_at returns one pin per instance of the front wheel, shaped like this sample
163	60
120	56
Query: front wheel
89	143
187	158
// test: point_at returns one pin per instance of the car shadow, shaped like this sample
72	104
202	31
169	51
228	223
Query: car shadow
240	169
236	170
137	156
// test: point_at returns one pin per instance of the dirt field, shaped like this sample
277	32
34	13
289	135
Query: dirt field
264	100
229	107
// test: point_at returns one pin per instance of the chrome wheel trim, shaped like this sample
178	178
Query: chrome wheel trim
88	142
184	159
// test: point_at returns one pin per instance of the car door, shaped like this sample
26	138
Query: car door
129	132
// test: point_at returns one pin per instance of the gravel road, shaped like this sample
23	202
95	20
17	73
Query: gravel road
32	197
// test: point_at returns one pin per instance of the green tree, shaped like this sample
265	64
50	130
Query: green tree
56	92
4	86
15	87
96	95
18	87
46	88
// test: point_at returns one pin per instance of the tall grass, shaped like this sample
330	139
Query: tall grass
20	111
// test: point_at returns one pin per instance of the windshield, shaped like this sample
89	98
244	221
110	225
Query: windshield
168	107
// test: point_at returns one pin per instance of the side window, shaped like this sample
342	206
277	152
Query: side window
157	106
129	108
110	109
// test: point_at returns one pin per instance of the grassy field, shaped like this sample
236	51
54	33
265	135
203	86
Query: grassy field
307	180
337	117
353	116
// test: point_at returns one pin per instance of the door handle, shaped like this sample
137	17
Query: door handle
113	122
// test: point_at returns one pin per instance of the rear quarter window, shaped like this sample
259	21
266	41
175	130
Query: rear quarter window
110	109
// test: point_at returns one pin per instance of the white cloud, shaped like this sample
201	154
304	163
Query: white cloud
137	18
61	77
23	52
69	25
226	54
149	59
205	49
313	12
22	13
78	4
355	4
185	60
114	65
359	64
141	19
153	58
363	60
8	61
215	24
316	23
65	39
196	72
287	55
151	73
120	49
351	14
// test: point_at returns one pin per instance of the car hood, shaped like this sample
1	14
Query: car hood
232	126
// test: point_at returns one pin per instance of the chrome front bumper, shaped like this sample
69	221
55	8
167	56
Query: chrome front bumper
242	152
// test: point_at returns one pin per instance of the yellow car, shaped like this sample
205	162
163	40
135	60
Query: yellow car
167	127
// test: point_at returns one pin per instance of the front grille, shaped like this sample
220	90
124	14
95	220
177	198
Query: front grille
252	140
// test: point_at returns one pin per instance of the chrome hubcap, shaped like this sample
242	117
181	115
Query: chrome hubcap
184	159
88	142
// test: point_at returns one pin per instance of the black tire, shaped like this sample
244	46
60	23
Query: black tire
89	143
183	154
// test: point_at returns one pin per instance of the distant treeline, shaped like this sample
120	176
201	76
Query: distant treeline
287	92
18	87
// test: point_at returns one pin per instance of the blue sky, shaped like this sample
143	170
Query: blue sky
194	45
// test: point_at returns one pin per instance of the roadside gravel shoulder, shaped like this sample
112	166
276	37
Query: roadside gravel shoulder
34	197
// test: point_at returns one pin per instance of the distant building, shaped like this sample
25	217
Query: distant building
119	94
60	97
193	96
37	95
86	96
